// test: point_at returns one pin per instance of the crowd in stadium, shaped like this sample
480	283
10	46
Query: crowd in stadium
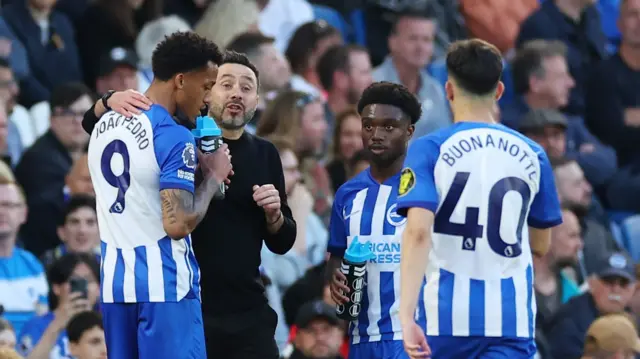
572	78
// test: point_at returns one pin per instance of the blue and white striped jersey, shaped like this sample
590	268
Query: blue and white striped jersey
131	160
485	183
367	209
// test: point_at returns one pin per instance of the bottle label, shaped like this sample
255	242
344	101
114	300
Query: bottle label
355	281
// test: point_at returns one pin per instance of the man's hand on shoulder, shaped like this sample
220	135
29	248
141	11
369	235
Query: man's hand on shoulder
129	103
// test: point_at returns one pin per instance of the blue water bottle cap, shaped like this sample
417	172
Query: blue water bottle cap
358	252
206	126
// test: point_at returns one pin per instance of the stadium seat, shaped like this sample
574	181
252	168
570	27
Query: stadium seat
358	27
626	227
332	17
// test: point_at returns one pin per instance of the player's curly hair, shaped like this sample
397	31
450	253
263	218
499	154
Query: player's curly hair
388	93
183	52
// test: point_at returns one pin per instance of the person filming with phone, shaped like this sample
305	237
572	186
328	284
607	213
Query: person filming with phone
73	289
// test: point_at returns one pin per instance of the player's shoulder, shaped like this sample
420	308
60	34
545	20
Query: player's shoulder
28	262
354	185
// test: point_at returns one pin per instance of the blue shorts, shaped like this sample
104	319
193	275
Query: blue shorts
481	348
386	349
154	330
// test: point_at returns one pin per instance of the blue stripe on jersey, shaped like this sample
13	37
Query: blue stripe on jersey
169	272
118	277
193	264
445	302
386	288
363	319
141	274
367	216
476	308
508	290
530	300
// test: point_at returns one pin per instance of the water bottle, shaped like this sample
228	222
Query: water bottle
208	138
354	267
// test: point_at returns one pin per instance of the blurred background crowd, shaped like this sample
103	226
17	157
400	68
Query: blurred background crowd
572	75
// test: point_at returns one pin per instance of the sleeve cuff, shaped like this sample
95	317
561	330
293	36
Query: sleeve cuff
535	223
177	185
338	251
403	207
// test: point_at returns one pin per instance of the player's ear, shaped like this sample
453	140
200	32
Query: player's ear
499	90
179	81
410	130
448	90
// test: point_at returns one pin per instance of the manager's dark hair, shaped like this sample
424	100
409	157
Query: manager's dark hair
529	61
388	93
232	57
62	269
66	94
475	65
336	58
76	202
249	43
183	52
81	323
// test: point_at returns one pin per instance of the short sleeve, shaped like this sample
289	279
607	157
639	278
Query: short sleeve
417	186
175	150
545	210
337	233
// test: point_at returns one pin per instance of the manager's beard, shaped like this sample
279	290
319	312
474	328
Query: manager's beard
234	123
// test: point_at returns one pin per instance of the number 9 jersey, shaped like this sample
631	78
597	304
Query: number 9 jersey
486	184
131	160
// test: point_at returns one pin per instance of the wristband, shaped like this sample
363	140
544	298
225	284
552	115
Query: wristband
105	98
276	221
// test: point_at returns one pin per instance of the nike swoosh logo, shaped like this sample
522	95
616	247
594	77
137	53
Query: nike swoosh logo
351	214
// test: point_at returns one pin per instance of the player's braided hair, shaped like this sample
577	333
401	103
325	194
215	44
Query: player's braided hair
183	52
388	93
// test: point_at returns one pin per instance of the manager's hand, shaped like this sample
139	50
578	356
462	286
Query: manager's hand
129	103
339	290
216	165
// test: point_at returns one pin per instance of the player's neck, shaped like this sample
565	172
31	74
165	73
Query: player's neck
382	173
7	244
472	111
160	93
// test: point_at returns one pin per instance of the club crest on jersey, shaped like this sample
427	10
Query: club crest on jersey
189	155
394	218
407	181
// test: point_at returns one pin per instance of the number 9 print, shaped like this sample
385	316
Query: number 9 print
121	181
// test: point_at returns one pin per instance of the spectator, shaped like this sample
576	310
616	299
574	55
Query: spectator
552	286
10	145
410	50
78	231
43	167
49	39
7	334
613	108
117	71
298	117
22	131
610	292
346	141
150	36
358	163
45	336
305	48
190	10
577	25
23	286
563	136
576	193
225	19
78	180
86	336
280	19
313	285
344	72
111	23
319	333
610	337
14	51
275	73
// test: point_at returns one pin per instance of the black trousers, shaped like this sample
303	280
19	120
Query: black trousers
248	335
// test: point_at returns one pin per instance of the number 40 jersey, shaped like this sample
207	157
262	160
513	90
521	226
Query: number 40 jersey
486	184
131	159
